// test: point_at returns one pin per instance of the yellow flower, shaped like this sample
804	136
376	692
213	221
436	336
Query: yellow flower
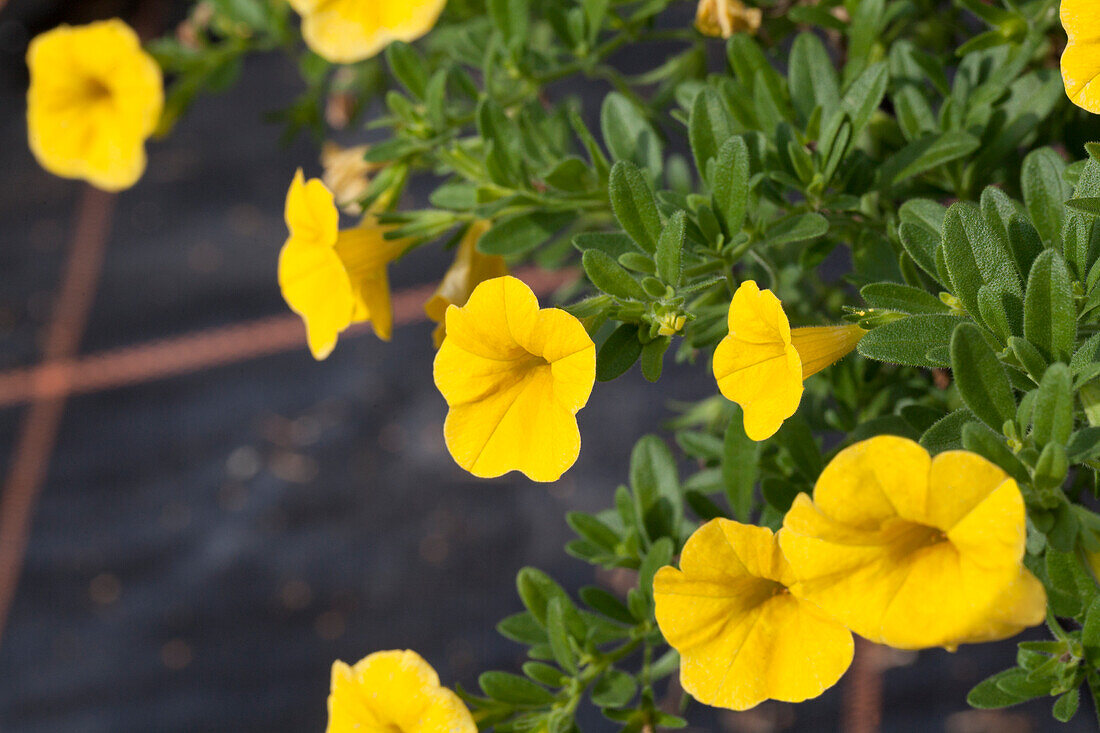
346	31
914	551
1081	59
671	323
94	98
469	269
514	378
334	278
762	363
393	691
723	18
346	174
744	635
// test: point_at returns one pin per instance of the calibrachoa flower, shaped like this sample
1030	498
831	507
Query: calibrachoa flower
95	97
331	277
723	18
914	551
346	31
762	363
394	691
744	635
470	267
1081	59
514	377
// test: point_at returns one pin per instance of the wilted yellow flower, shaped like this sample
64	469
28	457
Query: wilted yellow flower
1081	59
723	18
762	363
393	691
334	278
346	174
469	268
346	31
914	551
514	377
733	612
94	98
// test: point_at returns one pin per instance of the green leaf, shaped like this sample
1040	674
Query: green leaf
925	154
979	439
615	244
946	433
1029	357
634	205
521	233
659	555
522	628
903	298
799	228
593	530
988	693
1045	192
614	689
656	484
610	277
653	356
559	637
670	246
976	256
980	377
408	65
921	340
1089	205
812	77
629	136
1050	319
709	127
1053	419
730	184
740	458
536	589
1065	707
1083	445
921	244
601	601
618	353
514	689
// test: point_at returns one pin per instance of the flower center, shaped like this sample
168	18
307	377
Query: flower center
95	90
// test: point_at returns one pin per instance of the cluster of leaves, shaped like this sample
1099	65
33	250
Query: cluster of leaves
859	144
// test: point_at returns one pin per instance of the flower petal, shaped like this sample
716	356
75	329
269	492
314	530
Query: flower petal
346	31
316	287
1081	58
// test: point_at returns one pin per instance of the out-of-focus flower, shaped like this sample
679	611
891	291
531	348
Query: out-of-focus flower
514	377
723	18
95	97
393	691
331	277
1081	59
733	612
469	269
346	31
346	174
762	363
914	551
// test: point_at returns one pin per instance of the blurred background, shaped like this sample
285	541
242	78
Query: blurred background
196	518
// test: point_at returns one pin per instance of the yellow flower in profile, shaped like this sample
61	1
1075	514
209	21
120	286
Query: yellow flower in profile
762	363
744	635
346	31
94	98
1081	59
723	18
914	551
393	691
470	268
331	277
514	377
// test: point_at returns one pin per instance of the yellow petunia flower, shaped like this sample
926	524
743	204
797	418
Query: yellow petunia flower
744	635
514	377
394	691
346	31
914	551
95	97
331	277
470	268
723	18
762	363
1081	59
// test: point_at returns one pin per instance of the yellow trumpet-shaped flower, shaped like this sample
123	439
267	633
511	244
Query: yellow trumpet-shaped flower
1081	59
393	691
514	377
762	363
331	277
914	551
346	31
744	635
723	18
470	268
95	97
